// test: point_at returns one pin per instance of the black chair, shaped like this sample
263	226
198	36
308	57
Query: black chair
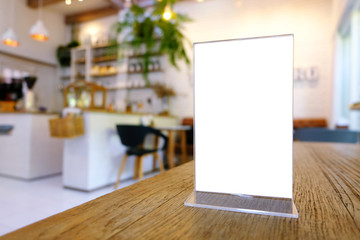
132	137
326	135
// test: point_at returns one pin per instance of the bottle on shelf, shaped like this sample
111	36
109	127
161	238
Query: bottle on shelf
132	67
139	67
157	65
151	66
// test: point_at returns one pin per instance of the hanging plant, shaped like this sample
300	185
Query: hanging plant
149	30
163	91
63	53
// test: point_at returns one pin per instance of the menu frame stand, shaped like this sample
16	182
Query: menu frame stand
244	203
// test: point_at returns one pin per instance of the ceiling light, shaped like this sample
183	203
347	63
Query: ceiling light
68	2
9	37
167	13
38	31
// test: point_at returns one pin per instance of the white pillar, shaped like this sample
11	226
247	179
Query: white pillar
354	69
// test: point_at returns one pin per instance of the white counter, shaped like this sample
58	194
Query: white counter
29	152
93	160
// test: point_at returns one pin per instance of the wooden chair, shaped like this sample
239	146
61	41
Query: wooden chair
309	123
189	138
132	137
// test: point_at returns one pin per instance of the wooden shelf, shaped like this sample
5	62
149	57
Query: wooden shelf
102	55
355	106
126	88
141	72
65	78
104	59
142	55
105	45
104	75
79	76
80	61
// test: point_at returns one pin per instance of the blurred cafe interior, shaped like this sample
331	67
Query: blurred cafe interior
97	96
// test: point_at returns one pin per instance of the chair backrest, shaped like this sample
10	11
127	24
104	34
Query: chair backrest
131	135
189	134
134	135
309	123
326	135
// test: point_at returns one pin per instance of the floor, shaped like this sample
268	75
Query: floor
26	202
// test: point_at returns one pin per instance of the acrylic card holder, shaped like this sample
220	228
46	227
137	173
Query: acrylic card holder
243	116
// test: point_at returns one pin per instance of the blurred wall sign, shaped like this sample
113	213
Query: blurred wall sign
306	74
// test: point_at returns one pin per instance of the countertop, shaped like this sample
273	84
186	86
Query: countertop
92	111
126	113
326	194
37	113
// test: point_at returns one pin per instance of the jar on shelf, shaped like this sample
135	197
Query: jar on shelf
157	65
151	66
132	67
139	67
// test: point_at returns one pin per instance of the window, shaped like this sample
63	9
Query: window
347	69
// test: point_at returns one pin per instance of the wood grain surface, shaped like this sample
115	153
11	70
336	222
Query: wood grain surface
326	194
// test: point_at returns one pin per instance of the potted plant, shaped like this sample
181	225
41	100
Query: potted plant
63	53
149	31
164	93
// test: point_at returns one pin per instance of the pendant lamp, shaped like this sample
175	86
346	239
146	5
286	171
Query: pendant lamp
38	31
9	37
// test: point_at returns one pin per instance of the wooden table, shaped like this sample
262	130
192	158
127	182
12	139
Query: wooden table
326	194
171	144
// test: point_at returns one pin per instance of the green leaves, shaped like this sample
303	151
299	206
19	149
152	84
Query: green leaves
150	31
63	53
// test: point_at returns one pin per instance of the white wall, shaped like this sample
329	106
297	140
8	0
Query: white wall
97	29
310	22
24	18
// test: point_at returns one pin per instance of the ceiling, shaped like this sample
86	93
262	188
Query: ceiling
83	11
86	10
77	7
